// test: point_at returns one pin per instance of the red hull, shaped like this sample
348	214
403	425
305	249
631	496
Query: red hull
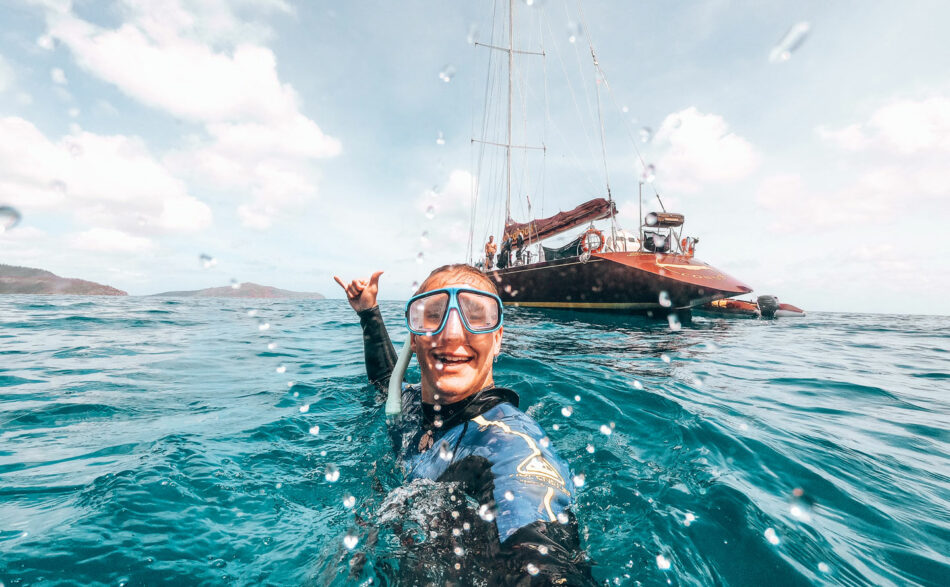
616	282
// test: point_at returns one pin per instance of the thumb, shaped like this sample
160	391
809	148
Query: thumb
374	279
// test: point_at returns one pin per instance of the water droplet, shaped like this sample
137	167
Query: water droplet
456	531
605	430
555	427
58	186
207	261
440	139
455	515
349	501
665	358
545	442
350	540
637	384
577	398
430	212
662	562
436	407
579	480
314	430
439	366
573	32
689	519
271	346
263	326
447	73
563	518
9	217
424	238
566	411
509	496
543	550
437	422
793	39
649	174
485	513
665	299
235	284
414	286
304	408
646	133
590	448
445	452
466	526
674	321
332	473
281	369
532	569
824	568
420	257
458	550
291	384
771	536
472	36
252	313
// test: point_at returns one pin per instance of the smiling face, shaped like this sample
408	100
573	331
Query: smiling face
455	363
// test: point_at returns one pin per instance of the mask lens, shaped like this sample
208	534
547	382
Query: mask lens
480	311
425	314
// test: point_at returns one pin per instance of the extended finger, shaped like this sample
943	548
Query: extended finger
340	281
374	279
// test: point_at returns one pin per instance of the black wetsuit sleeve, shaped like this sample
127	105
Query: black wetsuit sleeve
544	553
378	349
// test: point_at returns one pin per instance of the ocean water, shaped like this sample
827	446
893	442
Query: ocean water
154	441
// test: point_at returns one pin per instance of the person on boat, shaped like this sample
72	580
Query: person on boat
520	244
504	257
469	431
490	249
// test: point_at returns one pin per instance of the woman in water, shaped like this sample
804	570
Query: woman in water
461	428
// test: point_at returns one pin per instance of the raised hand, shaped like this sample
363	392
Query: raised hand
361	293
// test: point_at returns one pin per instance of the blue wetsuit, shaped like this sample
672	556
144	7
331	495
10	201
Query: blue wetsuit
502	459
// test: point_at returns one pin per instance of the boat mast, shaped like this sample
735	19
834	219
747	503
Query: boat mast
511	58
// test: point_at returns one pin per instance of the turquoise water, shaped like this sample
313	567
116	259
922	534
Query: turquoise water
152	441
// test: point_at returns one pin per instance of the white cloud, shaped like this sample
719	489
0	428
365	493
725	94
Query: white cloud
104	180
699	149
202	62
108	240
898	156
58	76
902	127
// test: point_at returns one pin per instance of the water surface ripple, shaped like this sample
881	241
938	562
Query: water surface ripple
156	441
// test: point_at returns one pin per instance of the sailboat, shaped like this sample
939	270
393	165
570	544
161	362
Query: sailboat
652	270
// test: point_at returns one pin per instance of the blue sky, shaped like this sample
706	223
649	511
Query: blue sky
297	140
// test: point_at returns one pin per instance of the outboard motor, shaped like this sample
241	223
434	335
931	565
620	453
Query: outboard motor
768	305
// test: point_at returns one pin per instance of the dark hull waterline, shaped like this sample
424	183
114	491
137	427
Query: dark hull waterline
616	282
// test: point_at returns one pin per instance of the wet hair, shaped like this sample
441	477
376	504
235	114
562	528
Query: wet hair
460	269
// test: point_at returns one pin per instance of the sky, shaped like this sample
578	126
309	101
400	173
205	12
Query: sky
294	141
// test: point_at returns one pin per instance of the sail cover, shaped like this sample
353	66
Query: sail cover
535	230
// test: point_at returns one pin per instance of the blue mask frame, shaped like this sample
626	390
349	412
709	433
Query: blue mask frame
454	304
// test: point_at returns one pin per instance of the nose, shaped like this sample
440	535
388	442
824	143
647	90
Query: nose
453	325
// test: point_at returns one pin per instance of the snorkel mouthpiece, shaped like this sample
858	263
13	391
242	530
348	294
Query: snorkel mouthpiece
394	397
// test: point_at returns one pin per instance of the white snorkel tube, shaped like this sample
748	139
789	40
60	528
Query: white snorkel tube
394	397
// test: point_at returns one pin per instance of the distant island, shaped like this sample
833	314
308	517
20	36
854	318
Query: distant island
26	280
245	290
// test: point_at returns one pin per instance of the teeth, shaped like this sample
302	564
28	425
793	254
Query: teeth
446	359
